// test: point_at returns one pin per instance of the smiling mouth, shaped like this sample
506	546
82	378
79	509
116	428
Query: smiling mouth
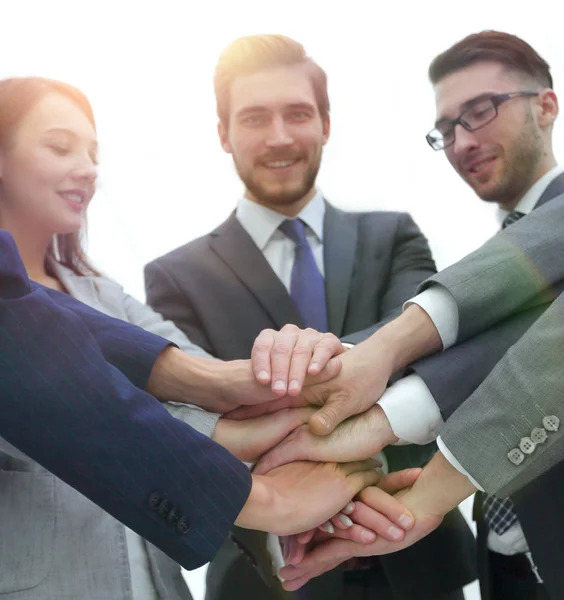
477	167
74	197
281	164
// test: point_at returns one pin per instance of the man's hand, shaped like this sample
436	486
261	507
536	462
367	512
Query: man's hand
357	438
302	495
251	438
368	366
439	489
284	358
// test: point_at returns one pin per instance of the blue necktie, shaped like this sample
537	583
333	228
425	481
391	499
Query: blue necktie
307	287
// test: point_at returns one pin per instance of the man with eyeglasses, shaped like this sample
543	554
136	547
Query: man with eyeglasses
496	110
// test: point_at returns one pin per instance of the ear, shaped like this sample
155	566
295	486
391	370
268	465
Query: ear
326	120
223	137
547	102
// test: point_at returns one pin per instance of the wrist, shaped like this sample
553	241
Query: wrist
260	512
409	337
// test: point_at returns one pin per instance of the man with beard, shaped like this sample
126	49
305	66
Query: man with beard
287	256
495	116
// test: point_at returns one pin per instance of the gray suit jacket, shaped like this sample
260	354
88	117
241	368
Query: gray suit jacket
221	292
55	543
501	290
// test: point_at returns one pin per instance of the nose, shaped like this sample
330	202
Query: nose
278	134
85	169
464	141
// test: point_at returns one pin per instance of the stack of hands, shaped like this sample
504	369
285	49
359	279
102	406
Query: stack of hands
304	411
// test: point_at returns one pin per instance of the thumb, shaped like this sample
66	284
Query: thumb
336	410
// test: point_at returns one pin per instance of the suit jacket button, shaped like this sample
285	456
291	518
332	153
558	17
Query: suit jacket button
551	423
183	525
173	516
539	435
516	456
527	445
164	507
154	501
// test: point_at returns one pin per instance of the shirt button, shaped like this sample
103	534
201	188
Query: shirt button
527	445
539	435
551	423
516	456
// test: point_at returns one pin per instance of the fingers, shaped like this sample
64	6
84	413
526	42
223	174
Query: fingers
328	346
394	482
358	480
380	524
356	466
249	412
260	355
287	451
355	533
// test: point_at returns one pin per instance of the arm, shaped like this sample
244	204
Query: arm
525	386
515	270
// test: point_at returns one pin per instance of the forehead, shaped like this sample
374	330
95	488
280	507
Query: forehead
55	111
272	88
455	89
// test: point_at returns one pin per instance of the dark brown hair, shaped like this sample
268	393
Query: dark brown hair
254	53
17	97
494	46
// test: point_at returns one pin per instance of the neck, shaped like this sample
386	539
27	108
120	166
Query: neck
32	244
547	163
289	210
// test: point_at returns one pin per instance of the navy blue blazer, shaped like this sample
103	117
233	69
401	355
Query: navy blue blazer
69	400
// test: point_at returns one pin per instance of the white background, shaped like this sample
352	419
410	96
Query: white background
147	68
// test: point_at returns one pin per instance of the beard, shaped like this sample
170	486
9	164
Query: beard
283	193
520	166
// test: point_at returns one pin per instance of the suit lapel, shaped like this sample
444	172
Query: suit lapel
235	247
555	188
340	233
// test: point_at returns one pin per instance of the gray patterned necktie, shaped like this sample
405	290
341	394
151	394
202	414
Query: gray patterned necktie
499	513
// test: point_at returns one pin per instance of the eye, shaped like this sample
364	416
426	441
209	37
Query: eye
253	120
299	116
60	148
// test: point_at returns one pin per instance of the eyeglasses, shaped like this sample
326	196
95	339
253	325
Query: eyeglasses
476	116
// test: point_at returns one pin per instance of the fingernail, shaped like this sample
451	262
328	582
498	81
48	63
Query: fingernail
279	385
345	520
349	507
395	532
313	367
367	536
294	385
406	521
328	527
323	421
263	375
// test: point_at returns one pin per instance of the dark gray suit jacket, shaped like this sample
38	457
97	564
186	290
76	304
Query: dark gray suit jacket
501	290
221	292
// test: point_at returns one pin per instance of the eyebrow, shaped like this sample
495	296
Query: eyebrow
263	109
465	105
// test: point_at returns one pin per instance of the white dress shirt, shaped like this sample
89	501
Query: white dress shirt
412	398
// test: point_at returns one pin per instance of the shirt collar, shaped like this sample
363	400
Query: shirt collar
532	196
261	223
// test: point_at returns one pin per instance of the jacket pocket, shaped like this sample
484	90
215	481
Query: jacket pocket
27	514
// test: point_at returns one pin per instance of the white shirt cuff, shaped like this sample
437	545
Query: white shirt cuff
412	411
452	460
442	309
